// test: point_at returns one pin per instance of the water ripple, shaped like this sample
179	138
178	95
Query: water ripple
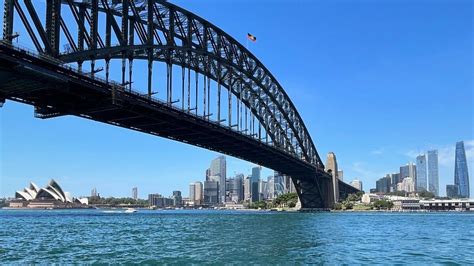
216	237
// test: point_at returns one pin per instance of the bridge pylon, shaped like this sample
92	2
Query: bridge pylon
315	193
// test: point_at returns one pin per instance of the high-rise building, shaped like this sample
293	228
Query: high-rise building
383	184
192	192
247	189
279	183
452	191
159	201
218	173
408	170
357	184
262	190
421	175
407	185
254	183
177	198
395	180
135	193
331	166
211	192
94	193
433	176
235	188
271	187
461	175
340	175
196	193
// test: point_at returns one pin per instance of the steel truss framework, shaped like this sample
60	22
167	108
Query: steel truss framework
153	30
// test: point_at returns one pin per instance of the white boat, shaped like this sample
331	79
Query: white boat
130	210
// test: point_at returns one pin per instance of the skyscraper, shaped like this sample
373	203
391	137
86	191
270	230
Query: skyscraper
357	184
461	175
262	190
340	175
383	184
254	183
94	193
135	193
279	183
452	191
247	189
433	176
395	180
211	192
192	192
408	170
421	176
331	166
235	188
177	198
196	193
217	173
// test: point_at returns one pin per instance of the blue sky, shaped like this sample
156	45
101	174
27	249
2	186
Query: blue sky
376	83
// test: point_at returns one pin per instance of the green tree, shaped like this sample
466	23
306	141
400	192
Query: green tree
426	195
286	200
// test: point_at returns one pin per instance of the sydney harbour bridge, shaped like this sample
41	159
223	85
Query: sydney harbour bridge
192	82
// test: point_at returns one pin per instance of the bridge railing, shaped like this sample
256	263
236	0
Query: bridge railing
122	89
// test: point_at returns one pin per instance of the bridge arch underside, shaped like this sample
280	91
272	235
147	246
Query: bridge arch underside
202	59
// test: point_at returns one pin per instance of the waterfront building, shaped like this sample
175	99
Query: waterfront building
406	204
448	205
247	189
218	173
157	200
433	175
331	167
461	175
211	192
177	198
421	174
51	196
383	184
357	184
452	191
365	198
135	193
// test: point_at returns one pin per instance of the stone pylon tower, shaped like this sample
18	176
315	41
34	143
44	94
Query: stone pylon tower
331	166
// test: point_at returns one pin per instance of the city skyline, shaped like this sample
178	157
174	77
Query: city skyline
377	71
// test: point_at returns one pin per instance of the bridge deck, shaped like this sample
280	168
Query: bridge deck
56	89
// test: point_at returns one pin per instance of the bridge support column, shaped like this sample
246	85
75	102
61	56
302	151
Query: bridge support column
315	194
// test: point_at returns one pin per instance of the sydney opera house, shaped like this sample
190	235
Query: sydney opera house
50	197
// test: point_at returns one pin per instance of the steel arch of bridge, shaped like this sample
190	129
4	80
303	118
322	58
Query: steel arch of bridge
155	30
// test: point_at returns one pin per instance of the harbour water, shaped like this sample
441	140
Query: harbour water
95	236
